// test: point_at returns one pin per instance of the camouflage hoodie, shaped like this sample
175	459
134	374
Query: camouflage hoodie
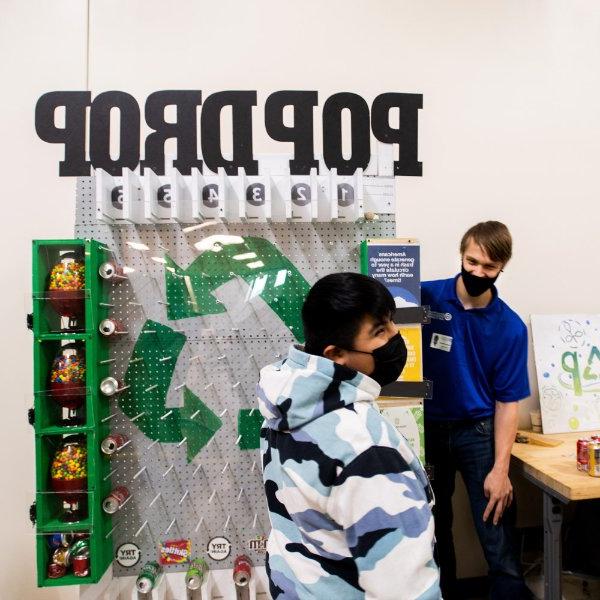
349	503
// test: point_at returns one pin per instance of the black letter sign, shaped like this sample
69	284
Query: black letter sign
407	134
301	133
184	130
332	133
73	133
129	132
210	132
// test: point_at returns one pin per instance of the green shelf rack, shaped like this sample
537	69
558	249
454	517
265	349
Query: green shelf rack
50	431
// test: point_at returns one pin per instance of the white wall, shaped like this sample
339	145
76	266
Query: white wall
509	130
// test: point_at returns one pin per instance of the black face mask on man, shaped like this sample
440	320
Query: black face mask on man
474	285
389	360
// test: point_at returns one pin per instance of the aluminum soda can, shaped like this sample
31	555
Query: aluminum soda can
110	327
111	271
594	459
80	547
147	578
196	574
112	443
56	540
242	570
109	386
115	500
55	571
582	454
61	556
81	564
595	437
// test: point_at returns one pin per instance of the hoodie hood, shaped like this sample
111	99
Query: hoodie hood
304	387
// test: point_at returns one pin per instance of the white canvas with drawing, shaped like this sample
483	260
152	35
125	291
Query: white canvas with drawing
567	360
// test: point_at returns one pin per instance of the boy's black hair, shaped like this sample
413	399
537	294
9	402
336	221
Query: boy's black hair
336	306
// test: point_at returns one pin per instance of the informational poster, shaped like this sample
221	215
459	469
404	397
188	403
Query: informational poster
567	359
396	263
408	419
413	370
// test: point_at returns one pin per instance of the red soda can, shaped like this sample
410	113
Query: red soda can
596	437
115	500
111	327
582	454
112	443
81	565
55	571
242	570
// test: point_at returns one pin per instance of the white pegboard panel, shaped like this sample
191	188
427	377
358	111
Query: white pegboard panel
219	493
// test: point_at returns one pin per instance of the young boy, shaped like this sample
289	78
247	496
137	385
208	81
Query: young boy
349	503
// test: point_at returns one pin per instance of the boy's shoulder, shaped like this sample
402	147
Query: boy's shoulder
348	432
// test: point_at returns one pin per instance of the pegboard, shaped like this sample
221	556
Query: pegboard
220	491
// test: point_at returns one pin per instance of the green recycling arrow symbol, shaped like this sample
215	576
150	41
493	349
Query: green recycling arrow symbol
149	376
268	273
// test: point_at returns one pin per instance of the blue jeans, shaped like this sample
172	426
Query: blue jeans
468	447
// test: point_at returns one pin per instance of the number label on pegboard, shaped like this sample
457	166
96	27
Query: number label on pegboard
301	195
345	194
163	195
255	194
116	197
210	195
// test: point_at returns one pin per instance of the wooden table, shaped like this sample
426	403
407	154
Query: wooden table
554	471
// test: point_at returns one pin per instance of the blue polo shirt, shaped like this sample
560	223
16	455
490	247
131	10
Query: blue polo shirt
474	357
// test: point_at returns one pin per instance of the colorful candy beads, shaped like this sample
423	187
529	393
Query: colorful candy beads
68	369
70	462
67	275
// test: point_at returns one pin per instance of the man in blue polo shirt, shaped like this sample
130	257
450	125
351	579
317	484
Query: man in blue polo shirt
475	352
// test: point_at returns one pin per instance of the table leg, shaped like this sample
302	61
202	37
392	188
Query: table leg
553	516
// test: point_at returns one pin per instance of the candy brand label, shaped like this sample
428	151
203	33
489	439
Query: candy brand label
175	552
258	544
219	548
128	555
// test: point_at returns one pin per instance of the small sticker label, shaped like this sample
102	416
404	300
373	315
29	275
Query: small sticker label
219	548
441	342
258	544
175	552
128	555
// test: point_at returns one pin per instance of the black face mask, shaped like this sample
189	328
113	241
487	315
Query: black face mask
474	285
389	360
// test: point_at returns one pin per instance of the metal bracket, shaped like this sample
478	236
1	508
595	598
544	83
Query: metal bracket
31	416
33	513
439	315
408	389
411	315
29	320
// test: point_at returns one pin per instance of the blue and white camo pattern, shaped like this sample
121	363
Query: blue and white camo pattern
349	502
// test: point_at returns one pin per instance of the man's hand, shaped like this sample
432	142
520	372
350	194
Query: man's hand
498	490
